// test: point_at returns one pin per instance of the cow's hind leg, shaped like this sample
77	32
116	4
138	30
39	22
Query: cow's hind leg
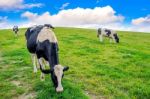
41	63
33	56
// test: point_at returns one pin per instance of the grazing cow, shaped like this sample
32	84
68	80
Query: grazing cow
42	42
102	32
15	29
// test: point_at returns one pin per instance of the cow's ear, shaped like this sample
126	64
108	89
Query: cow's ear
65	68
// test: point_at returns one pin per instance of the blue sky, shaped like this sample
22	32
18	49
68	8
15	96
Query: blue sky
129	9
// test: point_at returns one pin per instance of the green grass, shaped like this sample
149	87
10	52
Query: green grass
97	70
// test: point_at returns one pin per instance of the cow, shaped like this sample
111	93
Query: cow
16	29
42	43
111	34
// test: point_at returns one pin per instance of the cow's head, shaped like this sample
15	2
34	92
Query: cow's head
57	73
116	38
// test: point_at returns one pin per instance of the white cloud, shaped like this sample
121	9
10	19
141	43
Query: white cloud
64	6
141	24
84	18
29	15
142	21
16	4
77	16
140	28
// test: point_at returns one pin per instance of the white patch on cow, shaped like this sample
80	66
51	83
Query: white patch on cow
58	69
46	34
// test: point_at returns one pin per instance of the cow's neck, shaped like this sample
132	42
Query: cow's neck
53	56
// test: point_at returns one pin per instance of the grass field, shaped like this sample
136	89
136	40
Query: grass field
97	70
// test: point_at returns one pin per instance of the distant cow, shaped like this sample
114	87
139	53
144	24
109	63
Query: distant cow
102	32
16	29
42	42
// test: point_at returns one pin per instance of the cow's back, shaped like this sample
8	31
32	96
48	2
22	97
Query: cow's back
31	37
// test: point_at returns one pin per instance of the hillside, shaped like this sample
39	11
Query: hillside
97	70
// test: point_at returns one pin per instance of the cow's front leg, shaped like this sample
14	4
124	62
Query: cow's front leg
41	63
33	56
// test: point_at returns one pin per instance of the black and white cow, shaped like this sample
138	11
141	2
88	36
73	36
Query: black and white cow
42	42
16	29
102	32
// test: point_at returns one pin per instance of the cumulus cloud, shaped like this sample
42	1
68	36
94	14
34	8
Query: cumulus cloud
64	6
29	15
17	4
76	17
139	28
141	24
104	17
141	21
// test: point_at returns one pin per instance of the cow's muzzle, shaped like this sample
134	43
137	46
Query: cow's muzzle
59	89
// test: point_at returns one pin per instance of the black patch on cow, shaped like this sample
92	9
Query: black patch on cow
99	31
116	38
54	79
108	32
31	37
48	50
